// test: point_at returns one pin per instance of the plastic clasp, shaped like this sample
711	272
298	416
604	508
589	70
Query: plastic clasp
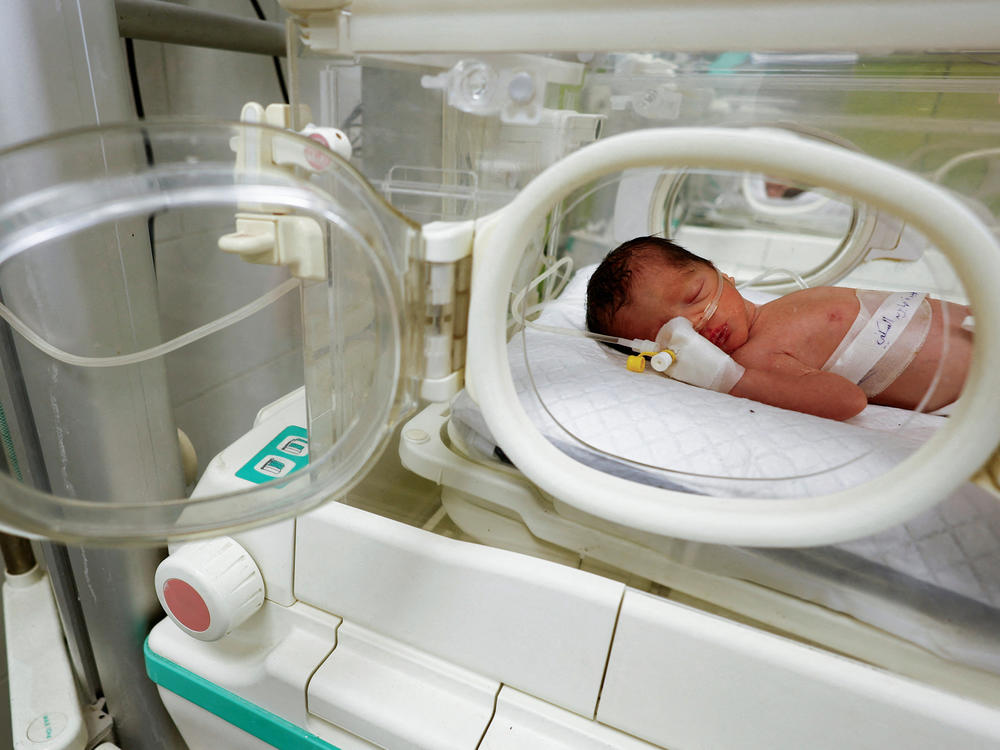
636	363
271	239
269	236
661	361
511	86
447	281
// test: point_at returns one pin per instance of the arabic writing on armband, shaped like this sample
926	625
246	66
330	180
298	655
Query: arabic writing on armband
885	324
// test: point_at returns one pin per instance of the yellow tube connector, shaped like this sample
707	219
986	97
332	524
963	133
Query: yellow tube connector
660	360
637	362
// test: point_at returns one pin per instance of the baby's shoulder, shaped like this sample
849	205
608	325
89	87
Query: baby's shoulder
817	295
806	303
799	316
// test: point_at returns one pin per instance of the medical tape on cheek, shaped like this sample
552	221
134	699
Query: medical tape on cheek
875	336
713	305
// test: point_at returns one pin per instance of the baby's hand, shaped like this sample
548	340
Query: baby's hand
696	359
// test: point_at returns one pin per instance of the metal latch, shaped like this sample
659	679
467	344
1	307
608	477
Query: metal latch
447	275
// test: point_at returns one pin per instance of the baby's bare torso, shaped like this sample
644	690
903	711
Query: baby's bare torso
808	326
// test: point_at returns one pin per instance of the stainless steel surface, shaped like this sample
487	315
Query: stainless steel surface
81	655
115	587
64	69
17	555
21	451
175	24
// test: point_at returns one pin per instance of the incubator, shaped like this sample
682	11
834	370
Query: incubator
334	356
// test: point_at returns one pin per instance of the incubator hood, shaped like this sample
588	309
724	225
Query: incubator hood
379	325
266	343
87	354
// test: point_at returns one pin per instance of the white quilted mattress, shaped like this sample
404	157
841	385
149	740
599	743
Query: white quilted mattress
662	432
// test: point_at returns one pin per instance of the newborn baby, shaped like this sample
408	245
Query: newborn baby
827	351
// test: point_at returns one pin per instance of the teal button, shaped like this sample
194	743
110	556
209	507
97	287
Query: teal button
285	453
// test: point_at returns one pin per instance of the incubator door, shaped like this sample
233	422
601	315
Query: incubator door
161	285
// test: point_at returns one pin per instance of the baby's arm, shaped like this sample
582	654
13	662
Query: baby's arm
786	382
769	377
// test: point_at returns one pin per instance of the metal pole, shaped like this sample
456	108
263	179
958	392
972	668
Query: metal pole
65	68
157	21
18	556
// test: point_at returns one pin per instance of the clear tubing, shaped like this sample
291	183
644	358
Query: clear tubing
639	346
520	314
773	272
944	169
157	351
949	165
713	305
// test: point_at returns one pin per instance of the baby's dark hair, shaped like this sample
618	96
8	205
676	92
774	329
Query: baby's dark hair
610	286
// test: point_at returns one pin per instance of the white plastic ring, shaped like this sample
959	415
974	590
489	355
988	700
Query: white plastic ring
945	461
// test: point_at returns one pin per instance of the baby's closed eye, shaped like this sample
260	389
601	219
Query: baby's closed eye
695	295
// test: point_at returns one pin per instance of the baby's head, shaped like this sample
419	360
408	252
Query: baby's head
618	302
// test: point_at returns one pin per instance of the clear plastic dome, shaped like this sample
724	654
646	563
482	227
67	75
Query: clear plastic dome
138	337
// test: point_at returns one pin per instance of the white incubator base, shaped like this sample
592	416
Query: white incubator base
375	633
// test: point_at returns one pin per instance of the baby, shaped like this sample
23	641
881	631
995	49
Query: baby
827	351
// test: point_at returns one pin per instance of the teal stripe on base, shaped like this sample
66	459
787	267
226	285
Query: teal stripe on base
230	707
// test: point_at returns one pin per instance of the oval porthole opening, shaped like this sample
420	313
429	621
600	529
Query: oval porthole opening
913	485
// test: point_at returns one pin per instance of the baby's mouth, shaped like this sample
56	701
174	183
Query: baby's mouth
720	335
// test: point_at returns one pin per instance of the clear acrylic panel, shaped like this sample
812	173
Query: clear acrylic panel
139	342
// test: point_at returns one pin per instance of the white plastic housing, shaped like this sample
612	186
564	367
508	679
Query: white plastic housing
44	708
